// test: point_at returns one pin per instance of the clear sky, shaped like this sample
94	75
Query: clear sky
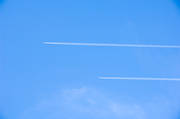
40	81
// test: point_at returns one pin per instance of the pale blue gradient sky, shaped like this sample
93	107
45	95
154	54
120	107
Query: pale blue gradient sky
55	82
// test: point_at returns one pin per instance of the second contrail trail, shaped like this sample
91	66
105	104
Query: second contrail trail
112	45
140	78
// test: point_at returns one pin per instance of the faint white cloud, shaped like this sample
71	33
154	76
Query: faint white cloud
83	103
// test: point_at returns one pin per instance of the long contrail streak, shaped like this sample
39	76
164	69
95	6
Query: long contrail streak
139	78
112	45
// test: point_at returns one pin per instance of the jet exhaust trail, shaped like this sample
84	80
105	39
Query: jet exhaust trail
139	78
112	45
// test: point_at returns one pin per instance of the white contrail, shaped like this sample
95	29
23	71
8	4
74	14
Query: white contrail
112	45
139	78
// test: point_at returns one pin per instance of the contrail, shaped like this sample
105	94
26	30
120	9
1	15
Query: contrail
112	45
139	78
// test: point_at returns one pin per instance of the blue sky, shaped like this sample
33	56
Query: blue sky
60	82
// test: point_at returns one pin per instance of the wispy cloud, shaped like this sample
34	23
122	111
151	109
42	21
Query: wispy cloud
112	45
90	103
96	104
84	103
